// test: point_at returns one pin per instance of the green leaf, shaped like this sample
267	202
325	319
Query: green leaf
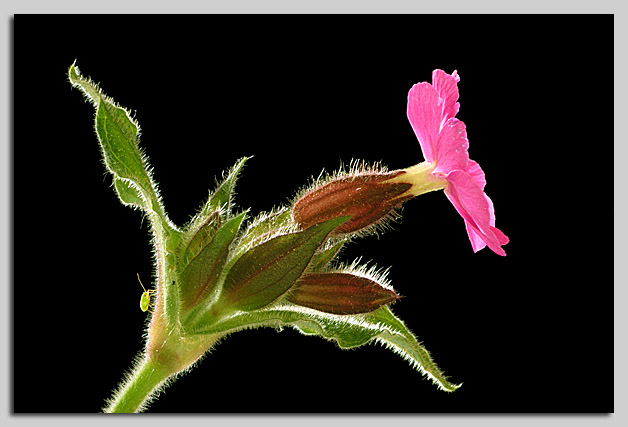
89	88
265	272
201	275
128	194
118	134
348	331
398	338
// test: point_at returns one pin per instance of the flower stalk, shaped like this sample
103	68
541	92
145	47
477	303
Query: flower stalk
155	370
138	388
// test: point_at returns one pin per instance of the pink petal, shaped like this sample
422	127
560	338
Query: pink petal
477	211
443	139
447	88
477	242
425	117
501	237
451	150
476	172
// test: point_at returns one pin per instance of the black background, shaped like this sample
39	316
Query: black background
531	332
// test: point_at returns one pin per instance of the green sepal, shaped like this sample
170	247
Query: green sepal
265	227
195	239
267	271
325	255
201	230
221	199
201	275
347	331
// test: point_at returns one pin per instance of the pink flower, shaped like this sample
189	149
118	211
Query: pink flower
431	110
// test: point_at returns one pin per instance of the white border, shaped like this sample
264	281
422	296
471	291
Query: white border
11	7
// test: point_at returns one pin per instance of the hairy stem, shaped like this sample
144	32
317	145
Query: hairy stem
138	388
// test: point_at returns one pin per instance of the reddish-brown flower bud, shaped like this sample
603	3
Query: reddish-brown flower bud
340	293
367	198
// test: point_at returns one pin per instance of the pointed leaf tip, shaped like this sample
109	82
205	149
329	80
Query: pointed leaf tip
89	88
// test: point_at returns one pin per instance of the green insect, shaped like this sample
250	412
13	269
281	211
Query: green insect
145	299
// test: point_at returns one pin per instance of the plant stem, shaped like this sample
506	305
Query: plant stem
138	387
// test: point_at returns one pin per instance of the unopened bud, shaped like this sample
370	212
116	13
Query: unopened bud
368	198
340	293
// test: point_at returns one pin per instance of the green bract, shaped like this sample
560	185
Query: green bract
217	276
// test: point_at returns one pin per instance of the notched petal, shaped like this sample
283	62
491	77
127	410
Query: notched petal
447	87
